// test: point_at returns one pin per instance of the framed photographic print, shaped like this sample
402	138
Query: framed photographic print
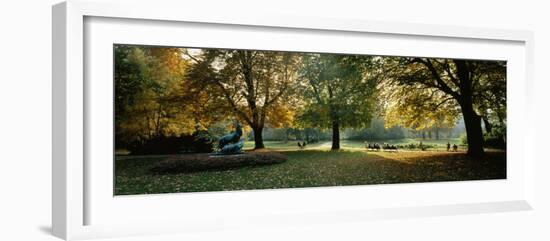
167	123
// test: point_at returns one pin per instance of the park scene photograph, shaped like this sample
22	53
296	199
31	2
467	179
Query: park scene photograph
189	119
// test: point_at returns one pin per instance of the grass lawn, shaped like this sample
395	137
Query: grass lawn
283	146
440	145
314	166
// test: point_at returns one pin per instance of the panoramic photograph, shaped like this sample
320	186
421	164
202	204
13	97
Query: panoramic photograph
189	119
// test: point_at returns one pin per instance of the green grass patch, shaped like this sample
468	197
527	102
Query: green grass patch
281	145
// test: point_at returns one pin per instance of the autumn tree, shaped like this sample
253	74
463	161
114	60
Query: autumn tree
150	96
339	92
417	107
458	81
254	86
490	97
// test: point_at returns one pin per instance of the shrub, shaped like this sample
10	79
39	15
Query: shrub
494	140
196	143
413	146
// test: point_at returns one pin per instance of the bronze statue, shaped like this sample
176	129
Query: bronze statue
231	143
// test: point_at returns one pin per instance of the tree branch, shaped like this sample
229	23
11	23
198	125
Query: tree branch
443	102
233	104
191	56
440	84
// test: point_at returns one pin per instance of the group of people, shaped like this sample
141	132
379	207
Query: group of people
388	147
455	147
377	147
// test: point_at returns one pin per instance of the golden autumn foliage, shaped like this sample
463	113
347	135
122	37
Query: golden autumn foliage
419	108
156	102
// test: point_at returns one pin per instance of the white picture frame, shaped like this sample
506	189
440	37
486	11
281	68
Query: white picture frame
73	185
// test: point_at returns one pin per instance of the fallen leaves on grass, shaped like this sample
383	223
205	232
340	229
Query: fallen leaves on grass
312	168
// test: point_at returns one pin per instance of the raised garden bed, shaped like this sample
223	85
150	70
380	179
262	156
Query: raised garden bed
210	162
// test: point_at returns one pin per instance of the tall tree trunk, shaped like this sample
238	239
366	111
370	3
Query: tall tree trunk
286	135
157	122
335	135
487	124
423	135
474	133
437	133
258	138
149	131
472	120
